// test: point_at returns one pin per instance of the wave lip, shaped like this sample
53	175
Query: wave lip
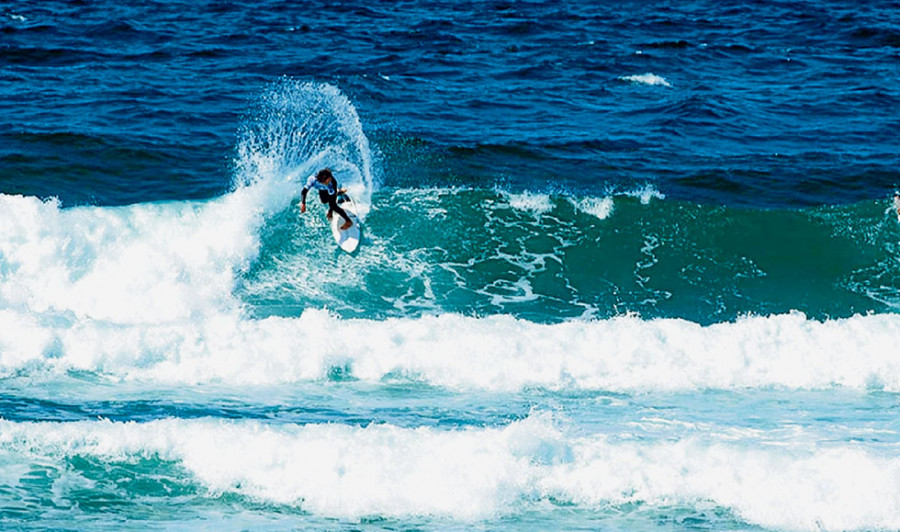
347	472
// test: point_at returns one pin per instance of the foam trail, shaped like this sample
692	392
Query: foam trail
349	472
496	353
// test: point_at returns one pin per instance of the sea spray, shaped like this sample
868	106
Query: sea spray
294	130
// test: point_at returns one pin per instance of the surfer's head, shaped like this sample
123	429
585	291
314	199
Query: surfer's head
324	175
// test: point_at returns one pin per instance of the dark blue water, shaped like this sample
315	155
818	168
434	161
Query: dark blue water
774	104
624	266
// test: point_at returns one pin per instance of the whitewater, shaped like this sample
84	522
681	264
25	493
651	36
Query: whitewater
354	472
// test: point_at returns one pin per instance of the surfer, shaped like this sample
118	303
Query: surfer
328	189
897	204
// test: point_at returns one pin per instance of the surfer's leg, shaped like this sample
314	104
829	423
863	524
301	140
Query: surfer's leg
333	206
327	199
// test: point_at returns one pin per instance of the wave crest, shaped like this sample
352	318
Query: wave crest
348	472
496	353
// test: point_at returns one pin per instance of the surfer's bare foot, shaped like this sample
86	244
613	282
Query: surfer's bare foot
329	215
346	225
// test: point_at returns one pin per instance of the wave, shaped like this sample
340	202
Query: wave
142	263
168	261
495	353
540	256
353	473
544	257
552	256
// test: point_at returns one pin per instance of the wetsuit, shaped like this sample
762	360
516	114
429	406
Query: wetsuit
328	193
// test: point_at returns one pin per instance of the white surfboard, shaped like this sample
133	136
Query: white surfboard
348	240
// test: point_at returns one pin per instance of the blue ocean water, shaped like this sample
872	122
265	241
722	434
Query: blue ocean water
624	266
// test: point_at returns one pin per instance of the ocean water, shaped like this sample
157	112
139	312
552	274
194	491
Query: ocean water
625	266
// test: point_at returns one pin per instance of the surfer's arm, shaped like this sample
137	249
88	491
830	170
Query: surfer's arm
310	183
303	199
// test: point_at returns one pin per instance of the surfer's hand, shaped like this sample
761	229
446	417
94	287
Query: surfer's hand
303	207
342	191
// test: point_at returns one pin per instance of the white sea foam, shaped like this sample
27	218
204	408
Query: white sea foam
529	201
647	79
646	194
601	208
142	263
491	353
351	472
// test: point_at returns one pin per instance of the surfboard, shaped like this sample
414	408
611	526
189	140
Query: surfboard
348	240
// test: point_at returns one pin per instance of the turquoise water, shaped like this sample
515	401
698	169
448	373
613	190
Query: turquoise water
554	256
